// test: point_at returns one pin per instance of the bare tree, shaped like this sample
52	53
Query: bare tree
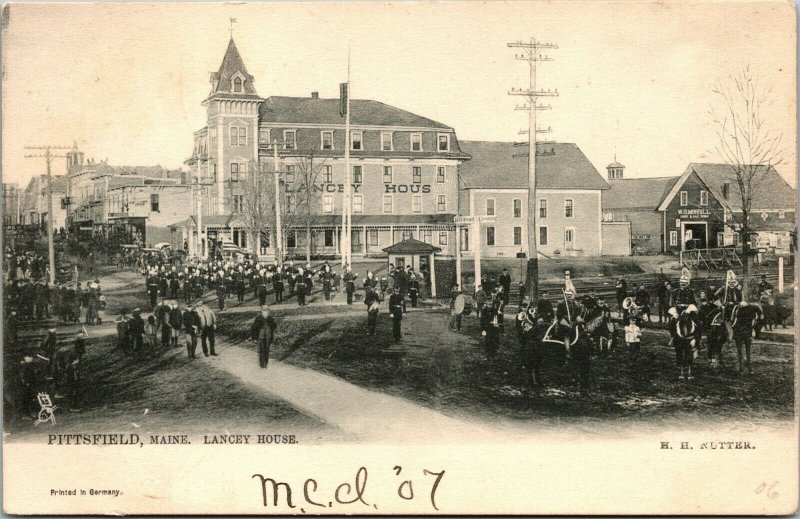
745	141
308	193
256	211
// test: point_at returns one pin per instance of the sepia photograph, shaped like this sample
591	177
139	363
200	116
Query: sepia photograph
399	258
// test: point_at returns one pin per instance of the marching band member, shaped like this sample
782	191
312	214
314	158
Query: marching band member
743	320
716	332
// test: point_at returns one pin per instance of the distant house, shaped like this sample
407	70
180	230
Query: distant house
568	208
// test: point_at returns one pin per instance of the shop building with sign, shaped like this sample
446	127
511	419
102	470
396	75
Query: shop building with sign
403	169
698	209
494	182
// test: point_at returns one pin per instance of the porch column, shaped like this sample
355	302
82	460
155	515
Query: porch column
433	276
364	242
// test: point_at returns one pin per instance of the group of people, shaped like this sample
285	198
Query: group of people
163	329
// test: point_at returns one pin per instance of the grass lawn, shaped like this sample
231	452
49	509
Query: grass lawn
168	394
447	371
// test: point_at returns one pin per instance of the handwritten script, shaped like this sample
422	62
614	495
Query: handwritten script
353	492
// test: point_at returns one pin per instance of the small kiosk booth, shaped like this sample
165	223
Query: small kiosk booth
418	254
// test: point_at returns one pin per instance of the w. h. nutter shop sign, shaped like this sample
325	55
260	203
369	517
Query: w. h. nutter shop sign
339	188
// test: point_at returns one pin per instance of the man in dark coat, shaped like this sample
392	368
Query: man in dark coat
238	281
396	303
222	292
505	281
277	286
263	332
175	324
136	330
744	320
191	324
372	301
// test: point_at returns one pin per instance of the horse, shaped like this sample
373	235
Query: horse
686	336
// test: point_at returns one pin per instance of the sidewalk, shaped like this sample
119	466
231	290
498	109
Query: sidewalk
365	415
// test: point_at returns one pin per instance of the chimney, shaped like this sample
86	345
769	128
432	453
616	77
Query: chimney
314	95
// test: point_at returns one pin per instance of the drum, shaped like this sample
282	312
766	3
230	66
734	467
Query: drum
463	304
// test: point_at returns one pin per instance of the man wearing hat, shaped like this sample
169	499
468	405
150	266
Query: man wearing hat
372	302
730	294
263	332
191	323
396	305
350	284
744	319
714	325
683	296
764	285
504	280
136	330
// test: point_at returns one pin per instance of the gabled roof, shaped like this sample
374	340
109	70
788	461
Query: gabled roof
770	190
504	165
637	193
411	246
363	112
232	64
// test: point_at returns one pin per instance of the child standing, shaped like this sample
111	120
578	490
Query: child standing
633	336
150	331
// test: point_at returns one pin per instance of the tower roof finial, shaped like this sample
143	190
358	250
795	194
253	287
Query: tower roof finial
233	21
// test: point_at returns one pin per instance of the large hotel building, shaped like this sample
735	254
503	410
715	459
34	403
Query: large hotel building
403	167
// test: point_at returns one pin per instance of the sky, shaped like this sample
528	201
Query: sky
125	81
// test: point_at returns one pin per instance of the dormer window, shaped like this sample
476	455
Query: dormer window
237	83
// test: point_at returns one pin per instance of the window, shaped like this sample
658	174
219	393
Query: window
387	203
154	203
440	170
326	140
407	235
214	169
416	174
238	136
327	174
357	174
427	236
490	207
373	237
442	237
263	136
568	236
737	239
542	208
673	238
568	208
327	203
290	139
291	239
720	239
290	174
517	208
608	216
355	241
358	203
416	204
212	136
517	235
238	201
490	235
781	214
290	203
237	84
441	203
387	174
329	237
355	141
726	187
243	171
703	197
234	172
677	223
444	142
542	235
684	198
416	142
386	141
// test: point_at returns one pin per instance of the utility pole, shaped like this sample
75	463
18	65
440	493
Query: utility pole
48	157
278	231
531	52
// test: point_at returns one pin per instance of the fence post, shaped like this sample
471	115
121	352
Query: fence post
780	274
